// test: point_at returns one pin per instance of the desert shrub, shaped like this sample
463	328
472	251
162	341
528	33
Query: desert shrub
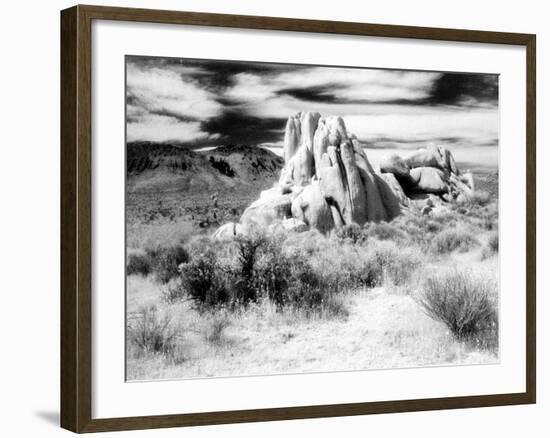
138	264
351	233
203	280
174	292
432	226
464	303
165	261
244	281
273	272
226	275
307	289
150	332
453	239
489	219
492	245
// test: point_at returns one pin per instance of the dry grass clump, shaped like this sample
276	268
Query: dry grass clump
384	231
415	229
346	266
215	329
395	265
151	333
465	303
335	306
453	239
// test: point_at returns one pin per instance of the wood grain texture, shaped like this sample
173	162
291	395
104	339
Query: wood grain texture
69	329
76	219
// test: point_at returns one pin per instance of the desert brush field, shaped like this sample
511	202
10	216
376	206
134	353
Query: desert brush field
419	290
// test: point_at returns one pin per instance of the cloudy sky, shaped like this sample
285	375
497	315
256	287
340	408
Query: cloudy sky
210	103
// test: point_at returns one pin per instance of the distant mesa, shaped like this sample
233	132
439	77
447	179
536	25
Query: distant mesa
163	167
327	181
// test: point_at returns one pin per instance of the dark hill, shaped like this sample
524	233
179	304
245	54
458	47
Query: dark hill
160	167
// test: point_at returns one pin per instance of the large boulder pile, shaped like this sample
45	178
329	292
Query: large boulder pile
430	170
327	181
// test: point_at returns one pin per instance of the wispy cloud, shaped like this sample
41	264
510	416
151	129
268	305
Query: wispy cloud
167	129
354	85
478	126
167	104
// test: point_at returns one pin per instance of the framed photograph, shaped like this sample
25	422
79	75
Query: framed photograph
270	218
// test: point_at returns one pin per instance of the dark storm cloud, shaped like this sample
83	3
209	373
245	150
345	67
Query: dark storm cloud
464	89
236	127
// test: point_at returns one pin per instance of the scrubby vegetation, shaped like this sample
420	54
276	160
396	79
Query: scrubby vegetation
453	240
166	261
479	199
391	283
138	264
163	262
257	267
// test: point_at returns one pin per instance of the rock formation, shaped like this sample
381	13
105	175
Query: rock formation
327	181
431	170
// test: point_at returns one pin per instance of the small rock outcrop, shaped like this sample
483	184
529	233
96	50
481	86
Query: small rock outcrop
328	181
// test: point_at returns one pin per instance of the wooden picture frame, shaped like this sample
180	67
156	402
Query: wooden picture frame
76	218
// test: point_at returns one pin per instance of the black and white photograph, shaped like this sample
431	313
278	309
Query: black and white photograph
293	218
